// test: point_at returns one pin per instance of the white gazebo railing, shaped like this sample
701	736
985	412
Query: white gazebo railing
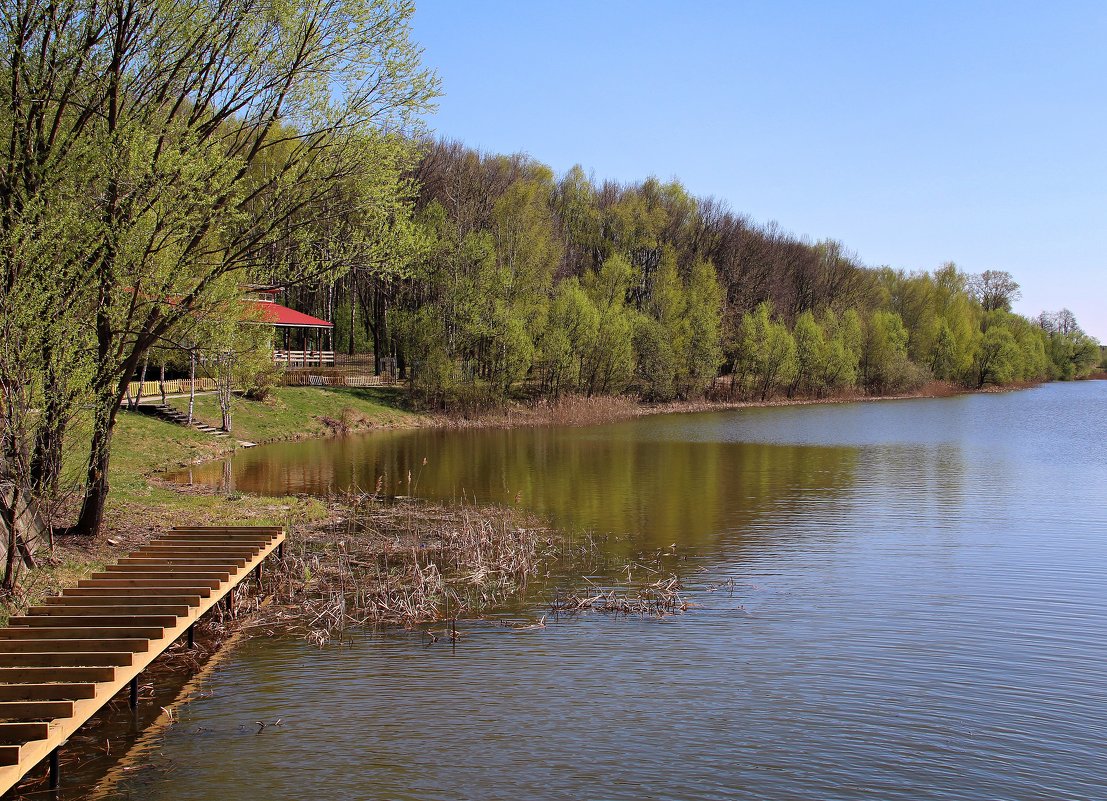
304	358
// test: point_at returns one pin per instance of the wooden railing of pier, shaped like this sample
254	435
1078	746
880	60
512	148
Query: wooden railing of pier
63	661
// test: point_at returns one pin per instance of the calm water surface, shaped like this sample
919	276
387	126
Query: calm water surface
918	612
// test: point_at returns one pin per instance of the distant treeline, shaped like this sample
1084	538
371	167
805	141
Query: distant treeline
523	282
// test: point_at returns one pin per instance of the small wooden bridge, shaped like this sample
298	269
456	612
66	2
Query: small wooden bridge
63	661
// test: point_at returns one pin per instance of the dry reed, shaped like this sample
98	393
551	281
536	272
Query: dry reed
403	562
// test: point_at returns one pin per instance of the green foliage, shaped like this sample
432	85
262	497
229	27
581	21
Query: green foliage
811	353
997	357
702	343
656	360
885	366
766	352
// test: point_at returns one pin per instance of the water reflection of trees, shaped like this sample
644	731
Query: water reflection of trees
612	480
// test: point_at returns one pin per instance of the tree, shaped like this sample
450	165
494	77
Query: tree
195	155
704	319
885	366
767	351
811	350
841	355
995	290
997	357
1073	353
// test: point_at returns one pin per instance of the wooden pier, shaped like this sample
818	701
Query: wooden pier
63	661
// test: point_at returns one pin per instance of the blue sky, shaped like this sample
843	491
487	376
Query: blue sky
915	133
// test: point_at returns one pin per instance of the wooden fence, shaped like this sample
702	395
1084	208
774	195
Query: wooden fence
304	379
176	386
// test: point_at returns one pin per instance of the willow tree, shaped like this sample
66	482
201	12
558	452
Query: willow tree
214	131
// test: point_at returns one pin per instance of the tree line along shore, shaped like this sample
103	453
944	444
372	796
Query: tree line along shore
152	171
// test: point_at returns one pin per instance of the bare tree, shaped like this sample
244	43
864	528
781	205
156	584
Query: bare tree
995	289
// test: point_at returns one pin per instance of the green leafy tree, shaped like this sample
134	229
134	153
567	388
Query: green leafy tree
885	365
811	350
997	357
767	351
704	326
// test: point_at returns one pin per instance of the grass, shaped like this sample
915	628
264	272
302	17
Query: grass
299	412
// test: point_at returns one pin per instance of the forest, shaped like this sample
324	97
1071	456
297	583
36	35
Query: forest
520	283
150	171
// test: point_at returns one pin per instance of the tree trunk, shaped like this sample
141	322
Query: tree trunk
46	458
141	380
161	382
353	314
223	381
91	517
191	384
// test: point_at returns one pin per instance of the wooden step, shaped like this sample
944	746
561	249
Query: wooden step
54	610
275	529
9	754
17	733
122	600
203	585
77	646
35	710
142	592
231	537
217	576
184	561
158	566
192	550
48	691
10	675
221	572
101	633
68	658
96	621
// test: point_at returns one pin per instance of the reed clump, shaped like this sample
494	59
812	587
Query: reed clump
403	562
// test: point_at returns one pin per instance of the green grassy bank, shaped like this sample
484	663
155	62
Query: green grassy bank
145	448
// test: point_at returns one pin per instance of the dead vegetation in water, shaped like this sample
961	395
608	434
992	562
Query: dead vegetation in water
401	563
651	588
661	598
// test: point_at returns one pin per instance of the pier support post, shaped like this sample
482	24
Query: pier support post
55	770
280	552
134	694
192	636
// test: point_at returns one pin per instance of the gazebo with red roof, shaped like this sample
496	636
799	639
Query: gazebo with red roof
302	337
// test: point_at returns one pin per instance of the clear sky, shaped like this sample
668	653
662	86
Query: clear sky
915	133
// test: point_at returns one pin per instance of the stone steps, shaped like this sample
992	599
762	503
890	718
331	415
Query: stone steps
172	415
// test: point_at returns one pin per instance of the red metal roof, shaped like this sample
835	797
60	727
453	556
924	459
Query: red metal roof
276	314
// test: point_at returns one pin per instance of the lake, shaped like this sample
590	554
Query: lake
898	600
